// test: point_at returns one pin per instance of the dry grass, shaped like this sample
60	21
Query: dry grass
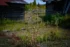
36	33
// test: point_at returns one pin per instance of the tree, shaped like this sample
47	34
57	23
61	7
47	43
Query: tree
34	3
38	5
27	7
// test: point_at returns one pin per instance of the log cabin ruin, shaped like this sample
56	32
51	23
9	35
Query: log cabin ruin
57	6
12	9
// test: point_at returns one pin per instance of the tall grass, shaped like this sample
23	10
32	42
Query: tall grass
57	20
6	21
35	38
38	32
11	25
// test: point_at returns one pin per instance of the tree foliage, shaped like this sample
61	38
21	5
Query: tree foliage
34	3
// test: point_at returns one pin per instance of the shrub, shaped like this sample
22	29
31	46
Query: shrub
54	19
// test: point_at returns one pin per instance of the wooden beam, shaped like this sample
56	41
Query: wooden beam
67	7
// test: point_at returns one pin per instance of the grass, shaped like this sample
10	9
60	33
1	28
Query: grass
33	38
11	25
57	20
38	36
38	32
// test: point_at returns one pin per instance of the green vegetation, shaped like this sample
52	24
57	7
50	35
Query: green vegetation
40	32
57	19
36	37
34	3
10	25
37	29
33	6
